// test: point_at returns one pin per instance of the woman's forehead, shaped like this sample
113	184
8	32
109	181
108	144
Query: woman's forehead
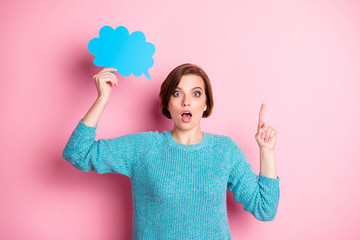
190	81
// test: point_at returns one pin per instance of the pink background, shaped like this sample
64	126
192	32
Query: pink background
300	58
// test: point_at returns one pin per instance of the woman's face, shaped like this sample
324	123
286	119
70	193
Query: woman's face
188	96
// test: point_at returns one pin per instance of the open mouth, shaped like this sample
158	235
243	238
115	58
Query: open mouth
186	116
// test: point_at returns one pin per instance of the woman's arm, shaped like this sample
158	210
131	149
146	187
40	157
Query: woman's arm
119	155
104	82
268	163
260	196
92	117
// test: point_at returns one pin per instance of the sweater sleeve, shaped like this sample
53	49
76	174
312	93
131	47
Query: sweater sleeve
260	196
118	155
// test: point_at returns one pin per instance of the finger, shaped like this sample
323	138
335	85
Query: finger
114	78
268	134
273	133
100	75
112	81
264	136
105	74
271	136
108	70
263	128
261	115
263	132
108	80
108	75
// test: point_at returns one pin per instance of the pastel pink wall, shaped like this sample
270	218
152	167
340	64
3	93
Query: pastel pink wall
301	58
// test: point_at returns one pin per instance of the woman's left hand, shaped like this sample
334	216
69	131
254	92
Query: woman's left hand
266	135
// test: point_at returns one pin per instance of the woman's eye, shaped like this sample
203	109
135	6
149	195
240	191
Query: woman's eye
177	93
197	94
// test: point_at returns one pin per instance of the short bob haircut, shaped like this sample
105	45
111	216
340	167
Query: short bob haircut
172	81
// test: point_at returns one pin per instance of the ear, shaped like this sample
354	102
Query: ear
205	108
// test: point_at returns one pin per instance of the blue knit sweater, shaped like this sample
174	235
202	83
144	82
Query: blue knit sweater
178	190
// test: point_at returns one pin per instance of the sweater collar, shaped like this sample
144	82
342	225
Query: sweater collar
176	144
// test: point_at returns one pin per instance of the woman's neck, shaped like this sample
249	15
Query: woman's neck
188	136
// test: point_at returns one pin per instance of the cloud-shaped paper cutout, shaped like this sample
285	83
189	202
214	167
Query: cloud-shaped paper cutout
127	53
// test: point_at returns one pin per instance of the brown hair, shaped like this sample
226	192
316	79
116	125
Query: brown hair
173	80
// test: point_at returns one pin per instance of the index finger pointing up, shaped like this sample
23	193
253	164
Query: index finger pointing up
261	115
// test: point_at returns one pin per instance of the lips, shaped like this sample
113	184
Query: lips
186	116
186	111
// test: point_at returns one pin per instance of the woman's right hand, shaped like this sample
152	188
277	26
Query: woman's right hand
104	82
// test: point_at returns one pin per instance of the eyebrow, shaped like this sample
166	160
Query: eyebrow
192	89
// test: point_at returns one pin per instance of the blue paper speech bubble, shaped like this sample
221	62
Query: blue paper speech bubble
127	53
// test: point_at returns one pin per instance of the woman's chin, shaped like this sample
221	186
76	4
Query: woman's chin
186	125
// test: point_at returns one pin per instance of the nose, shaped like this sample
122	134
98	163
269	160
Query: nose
186	101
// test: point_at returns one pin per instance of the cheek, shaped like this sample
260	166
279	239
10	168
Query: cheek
201	102
174	103
200	106
172	107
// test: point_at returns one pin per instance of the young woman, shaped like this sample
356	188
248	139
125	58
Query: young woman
180	177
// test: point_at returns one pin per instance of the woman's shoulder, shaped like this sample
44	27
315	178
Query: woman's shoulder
155	134
152	136
219	137
145	140
220	140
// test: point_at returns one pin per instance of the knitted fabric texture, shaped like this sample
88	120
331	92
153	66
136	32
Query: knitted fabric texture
178	190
